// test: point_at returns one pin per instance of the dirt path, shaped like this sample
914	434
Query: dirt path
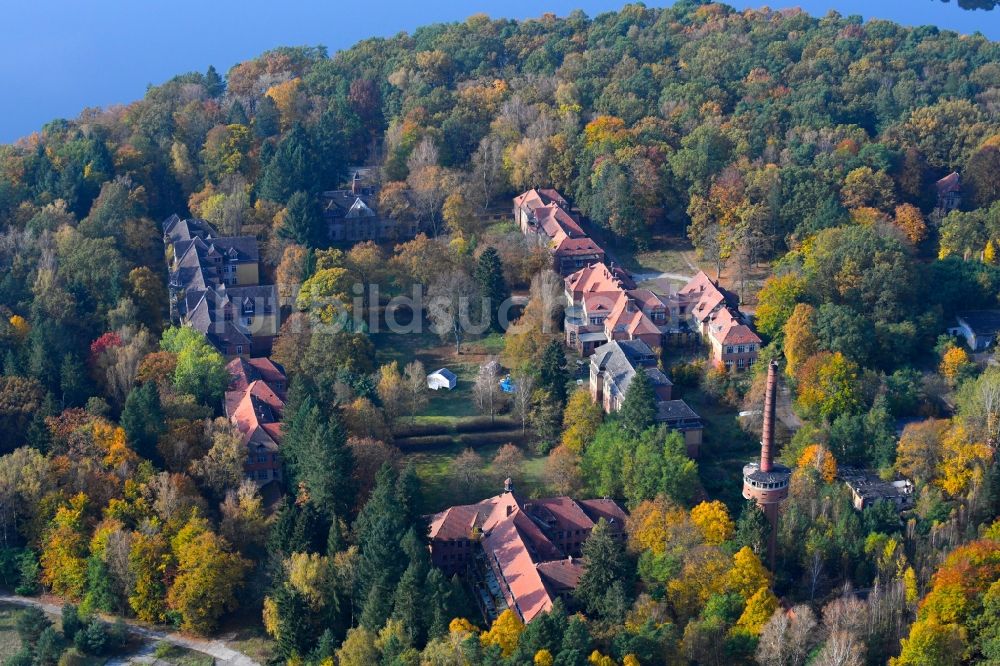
213	648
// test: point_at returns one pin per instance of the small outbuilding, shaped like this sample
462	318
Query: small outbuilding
978	327
441	379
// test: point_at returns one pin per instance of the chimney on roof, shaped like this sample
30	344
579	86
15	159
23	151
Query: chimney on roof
508	485
767	431
355	183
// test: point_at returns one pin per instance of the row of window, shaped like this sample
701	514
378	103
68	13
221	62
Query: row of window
741	349
741	363
261	458
263	475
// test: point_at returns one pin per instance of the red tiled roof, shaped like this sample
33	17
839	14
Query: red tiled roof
729	329
534	198
553	219
605	508
514	539
243	371
950	183
627	316
561	575
258	406
563	245
594	278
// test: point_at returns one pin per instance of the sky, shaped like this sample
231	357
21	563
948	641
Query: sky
58	57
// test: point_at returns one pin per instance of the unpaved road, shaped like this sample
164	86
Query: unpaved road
215	649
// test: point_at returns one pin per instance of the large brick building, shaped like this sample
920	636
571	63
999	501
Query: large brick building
520	553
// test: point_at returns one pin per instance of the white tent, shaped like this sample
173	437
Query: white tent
443	378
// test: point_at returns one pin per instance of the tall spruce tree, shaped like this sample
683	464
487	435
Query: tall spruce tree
492	286
142	419
318	459
552	375
638	410
303	223
606	565
288	170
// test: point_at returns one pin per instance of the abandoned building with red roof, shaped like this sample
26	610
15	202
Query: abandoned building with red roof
545	215
603	304
520	553
255	403
612	368
713	312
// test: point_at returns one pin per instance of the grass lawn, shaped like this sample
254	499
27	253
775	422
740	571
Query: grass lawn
250	639
429	349
173	654
440	491
9	641
725	450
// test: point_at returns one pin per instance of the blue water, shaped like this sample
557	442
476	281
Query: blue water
59	56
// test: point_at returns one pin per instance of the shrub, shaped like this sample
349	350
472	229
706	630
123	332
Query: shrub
72	623
30	624
93	638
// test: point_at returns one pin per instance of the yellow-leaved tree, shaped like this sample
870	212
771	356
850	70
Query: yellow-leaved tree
64	552
759	609
208	576
580	420
819	457
505	632
712	519
747	574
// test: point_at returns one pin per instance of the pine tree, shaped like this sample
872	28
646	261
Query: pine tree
638	410
288	170
382	561
575	646
302	223
214	85
318	459
492	286
267	123
143	419
606	565
752	529
552	376
237	115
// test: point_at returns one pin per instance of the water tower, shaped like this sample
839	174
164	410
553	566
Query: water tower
766	482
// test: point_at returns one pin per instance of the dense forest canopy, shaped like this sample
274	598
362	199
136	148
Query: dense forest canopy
766	137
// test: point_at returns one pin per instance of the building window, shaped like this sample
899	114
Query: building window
740	349
752	348
262	474
262	458
729	349
239	349
249	320
740	364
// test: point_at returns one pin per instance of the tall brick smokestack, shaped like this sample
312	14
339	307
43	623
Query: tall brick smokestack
767	431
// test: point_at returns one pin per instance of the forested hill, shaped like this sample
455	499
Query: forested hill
634	114
771	139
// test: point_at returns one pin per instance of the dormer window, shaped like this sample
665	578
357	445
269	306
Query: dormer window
248	306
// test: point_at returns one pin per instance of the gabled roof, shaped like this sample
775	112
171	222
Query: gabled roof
552	219
563	245
536	197
620	359
517	537
597	278
244	371
627	316
728	328
444	372
950	183
175	229
254	408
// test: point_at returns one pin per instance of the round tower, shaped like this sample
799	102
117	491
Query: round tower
766	482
